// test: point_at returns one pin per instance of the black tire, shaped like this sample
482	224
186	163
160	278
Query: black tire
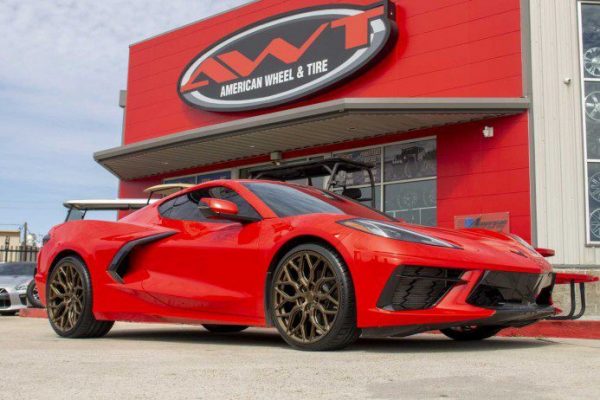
33	296
470	333
86	326
343	330
8	313
224	328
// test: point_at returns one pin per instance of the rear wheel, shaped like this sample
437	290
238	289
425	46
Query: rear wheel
312	299
466	333
8	313
33	296
69	301
224	328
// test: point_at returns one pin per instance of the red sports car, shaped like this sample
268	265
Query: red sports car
318	266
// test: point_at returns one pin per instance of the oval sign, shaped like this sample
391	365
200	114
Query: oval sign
287	58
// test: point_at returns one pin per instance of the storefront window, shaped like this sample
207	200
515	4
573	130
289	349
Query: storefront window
405	176
590	71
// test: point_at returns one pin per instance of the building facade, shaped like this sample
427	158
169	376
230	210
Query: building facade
473	113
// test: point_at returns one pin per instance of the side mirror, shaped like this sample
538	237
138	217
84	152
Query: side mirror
545	252
225	209
354	194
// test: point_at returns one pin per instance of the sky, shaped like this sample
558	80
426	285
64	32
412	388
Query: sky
62	64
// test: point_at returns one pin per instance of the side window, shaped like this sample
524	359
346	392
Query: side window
185	207
182	208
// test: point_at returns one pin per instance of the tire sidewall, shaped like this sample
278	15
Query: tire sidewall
32	300
87	295
346	309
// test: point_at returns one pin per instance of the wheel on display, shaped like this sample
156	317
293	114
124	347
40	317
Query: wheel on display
591	61
312	300
467	333
594	186
595	224
592	106
69	301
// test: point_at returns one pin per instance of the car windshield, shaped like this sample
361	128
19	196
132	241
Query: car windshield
289	200
10	269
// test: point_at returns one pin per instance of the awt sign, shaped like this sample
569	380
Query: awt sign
288	57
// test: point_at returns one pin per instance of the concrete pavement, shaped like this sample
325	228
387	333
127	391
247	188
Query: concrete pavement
182	362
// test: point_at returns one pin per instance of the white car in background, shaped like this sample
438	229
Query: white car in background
15	278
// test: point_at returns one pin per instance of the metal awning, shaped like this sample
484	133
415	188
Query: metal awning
298	128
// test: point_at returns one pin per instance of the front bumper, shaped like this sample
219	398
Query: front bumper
421	298
12	300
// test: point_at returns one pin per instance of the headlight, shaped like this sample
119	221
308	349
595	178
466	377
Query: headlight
22	286
390	231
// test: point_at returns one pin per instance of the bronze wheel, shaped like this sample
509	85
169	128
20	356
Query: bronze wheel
69	301
65	297
312	300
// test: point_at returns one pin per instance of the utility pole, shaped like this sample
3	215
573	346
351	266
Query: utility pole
25	234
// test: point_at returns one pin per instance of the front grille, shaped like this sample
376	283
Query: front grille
417	288
499	288
4	298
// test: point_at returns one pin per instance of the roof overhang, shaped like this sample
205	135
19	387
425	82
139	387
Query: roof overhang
303	127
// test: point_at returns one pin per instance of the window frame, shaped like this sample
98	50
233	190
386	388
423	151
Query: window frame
207	219
582	86
235	172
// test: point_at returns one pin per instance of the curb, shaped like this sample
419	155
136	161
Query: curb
581	329
33	313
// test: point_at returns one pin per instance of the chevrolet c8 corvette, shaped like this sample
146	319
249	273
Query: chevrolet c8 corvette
319	267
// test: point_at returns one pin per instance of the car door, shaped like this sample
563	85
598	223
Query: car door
211	266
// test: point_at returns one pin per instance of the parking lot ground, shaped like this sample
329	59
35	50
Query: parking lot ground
185	362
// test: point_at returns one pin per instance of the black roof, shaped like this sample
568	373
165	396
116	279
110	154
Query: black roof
306	169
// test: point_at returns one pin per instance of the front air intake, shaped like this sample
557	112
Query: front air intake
417	288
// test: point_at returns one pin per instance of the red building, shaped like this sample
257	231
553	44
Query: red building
433	93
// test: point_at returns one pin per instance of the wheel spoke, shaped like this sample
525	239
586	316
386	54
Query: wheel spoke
65	297
306	297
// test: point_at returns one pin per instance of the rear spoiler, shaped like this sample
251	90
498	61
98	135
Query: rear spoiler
79	208
165	189
564	278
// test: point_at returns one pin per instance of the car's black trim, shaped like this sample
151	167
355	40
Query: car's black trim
118	265
423	287
506	316
497	288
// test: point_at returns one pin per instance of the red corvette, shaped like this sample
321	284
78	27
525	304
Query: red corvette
319	267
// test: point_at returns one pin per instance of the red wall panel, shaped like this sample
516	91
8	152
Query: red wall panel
479	175
449	48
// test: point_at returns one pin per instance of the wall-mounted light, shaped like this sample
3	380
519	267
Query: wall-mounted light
276	157
488	132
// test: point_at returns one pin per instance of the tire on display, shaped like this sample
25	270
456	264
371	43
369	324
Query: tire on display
312	301
224	328
468	333
32	295
69	301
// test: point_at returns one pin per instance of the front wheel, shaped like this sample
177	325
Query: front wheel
69	301
312	300
33	296
468	333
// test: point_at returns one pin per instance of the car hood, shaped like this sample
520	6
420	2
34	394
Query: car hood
485	244
13	280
